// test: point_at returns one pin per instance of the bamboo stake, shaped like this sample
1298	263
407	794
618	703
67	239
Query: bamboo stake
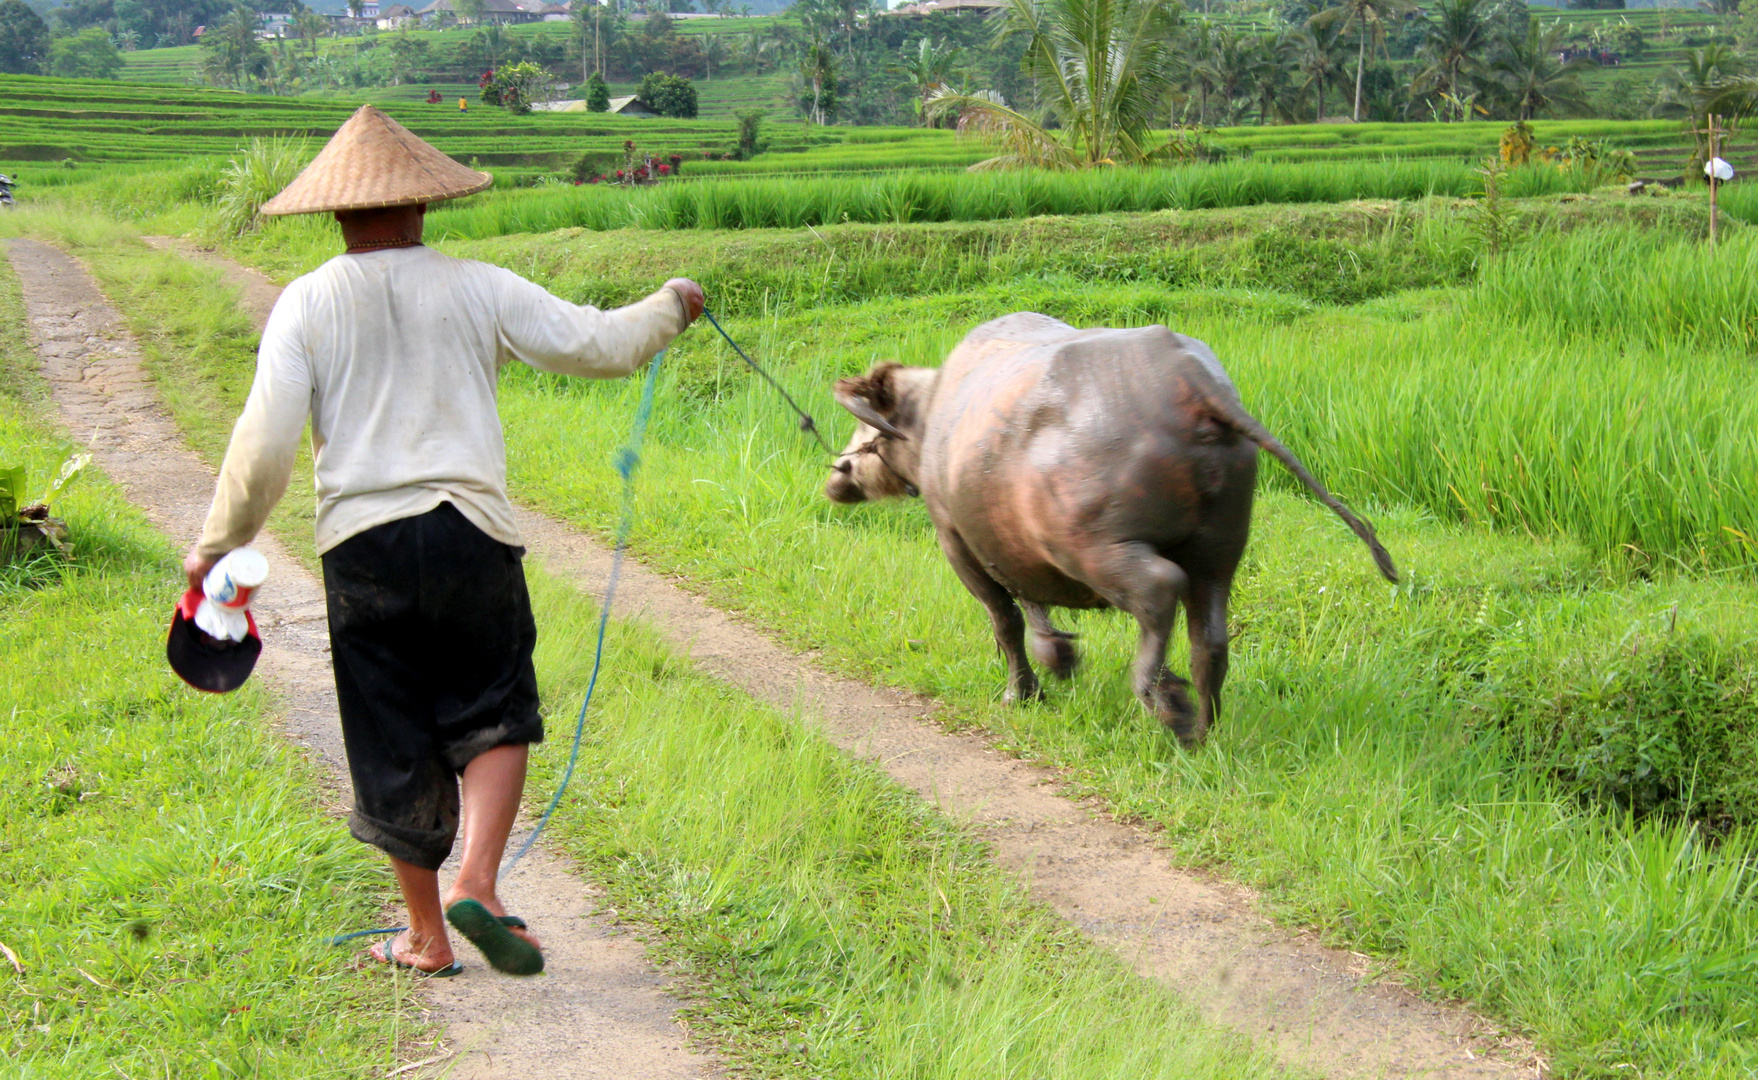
1714	181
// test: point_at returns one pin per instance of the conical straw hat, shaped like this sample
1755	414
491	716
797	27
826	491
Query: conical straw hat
373	161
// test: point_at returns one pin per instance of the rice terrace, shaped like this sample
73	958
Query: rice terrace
847	770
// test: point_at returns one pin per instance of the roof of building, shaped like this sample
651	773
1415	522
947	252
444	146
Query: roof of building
631	106
925	7
494	7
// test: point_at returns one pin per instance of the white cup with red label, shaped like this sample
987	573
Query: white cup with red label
229	588
235	578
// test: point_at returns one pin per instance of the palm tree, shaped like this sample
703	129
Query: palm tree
1713	80
713	52
1367	19
1276	51
1231	67
1101	69
756	51
1199	42
309	25
1319	65
818	79
1531	73
233	55
1453	47
927	70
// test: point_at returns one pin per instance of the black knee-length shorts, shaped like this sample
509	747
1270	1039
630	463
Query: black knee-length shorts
431	637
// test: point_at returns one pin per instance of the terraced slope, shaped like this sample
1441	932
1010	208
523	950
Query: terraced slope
90	121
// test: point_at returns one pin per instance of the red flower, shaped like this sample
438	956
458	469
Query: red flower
619	174
577	183
663	169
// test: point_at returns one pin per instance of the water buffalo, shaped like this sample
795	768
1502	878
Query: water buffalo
1078	469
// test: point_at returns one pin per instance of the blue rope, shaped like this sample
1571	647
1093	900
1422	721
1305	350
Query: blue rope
628	460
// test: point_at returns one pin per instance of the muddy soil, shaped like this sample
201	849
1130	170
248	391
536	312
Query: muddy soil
600	1010
1317	1008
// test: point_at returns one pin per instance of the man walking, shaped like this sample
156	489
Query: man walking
392	351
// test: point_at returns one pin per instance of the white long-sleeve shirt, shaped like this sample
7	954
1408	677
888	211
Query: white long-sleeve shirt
393	355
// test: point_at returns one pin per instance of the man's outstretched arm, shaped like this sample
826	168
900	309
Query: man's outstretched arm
265	442
551	334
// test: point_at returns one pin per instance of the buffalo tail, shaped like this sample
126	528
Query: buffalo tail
1231	413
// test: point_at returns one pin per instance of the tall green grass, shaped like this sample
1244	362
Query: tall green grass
255	176
912	197
1663	291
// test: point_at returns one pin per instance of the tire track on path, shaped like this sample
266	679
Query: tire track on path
600	1010
1317	1007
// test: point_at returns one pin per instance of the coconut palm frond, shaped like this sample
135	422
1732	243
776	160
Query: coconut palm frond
1101	67
1734	97
1024	142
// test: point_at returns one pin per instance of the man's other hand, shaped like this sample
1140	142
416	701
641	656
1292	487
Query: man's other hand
691	294
196	566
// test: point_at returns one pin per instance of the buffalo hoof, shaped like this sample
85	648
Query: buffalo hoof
1023	690
1056	653
1170	704
1189	729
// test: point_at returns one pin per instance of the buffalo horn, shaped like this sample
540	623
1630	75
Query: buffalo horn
863	410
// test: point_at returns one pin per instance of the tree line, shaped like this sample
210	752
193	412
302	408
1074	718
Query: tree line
1097	73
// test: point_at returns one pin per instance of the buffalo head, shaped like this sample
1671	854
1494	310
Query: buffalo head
882	456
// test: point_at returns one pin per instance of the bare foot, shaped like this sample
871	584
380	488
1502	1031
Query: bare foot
495	908
426	954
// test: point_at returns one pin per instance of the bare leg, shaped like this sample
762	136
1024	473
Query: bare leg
1022	683
424	944
1206	610
494	781
1133	577
1051	647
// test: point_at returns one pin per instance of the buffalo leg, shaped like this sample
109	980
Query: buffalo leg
1022	683
1206	611
1051	647
1135	578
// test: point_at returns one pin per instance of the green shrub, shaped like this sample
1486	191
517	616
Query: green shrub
1665	721
751	142
254	177
668	95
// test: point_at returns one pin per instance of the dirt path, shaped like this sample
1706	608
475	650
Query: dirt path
600	1010
1314	1006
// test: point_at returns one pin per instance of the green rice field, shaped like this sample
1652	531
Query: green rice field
1522	778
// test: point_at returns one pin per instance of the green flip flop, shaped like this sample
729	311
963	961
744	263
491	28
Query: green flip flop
504	950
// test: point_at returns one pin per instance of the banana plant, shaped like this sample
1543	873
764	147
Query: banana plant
19	518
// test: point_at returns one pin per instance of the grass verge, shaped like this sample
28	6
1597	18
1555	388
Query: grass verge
167	867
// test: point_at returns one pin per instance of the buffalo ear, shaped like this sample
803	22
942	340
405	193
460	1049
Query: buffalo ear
856	396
